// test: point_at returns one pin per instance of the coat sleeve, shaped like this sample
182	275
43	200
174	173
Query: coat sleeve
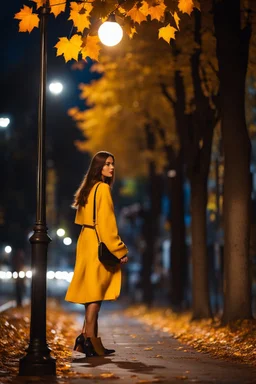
106	222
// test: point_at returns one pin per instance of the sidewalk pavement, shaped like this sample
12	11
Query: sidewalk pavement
144	355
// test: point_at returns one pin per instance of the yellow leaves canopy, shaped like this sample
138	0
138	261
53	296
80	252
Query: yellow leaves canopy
86	16
28	19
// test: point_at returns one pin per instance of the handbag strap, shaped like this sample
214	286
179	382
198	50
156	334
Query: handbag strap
94	212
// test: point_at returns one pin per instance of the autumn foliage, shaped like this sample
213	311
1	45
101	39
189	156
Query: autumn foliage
87	16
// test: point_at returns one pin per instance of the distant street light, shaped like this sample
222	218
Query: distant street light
4	122
56	87
60	232
67	241
8	249
110	32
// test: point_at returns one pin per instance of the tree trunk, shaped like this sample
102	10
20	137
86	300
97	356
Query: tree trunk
232	53
178	249
197	162
178	255
200	287
151	221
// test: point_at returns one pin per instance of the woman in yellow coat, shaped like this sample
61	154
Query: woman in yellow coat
92	282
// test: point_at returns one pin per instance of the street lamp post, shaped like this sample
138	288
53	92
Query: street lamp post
38	361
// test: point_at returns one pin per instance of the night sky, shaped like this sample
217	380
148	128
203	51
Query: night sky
19	79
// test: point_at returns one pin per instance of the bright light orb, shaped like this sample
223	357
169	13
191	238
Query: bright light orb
56	88
110	33
9	274
4	122
8	249
50	275
67	241
29	274
61	232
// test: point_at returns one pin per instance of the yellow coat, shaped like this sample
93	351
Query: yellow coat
91	280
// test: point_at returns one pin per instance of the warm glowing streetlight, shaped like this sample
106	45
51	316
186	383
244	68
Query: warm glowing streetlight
110	32
56	87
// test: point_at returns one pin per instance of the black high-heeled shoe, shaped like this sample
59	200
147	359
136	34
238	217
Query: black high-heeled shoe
79	343
106	351
89	350
91	346
109	351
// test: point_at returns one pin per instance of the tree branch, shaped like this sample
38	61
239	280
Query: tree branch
167	94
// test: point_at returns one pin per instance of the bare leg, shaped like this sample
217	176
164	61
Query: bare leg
84	324
96	327
83	329
91	319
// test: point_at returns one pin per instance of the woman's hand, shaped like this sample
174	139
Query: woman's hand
124	260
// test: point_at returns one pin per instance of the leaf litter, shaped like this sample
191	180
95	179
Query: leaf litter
233	342
60	334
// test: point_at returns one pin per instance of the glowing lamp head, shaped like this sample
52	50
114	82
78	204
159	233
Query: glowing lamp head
110	33
56	88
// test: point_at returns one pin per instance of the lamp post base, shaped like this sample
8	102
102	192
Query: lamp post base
37	363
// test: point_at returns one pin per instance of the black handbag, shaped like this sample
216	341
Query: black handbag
105	256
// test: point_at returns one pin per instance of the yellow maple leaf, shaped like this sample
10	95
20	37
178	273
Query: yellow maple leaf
57	6
186	6
132	32
157	12
91	48
80	15
39	3
136	15
69	48
167	33
144	8
28	19
176	19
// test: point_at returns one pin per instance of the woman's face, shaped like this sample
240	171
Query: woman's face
108	168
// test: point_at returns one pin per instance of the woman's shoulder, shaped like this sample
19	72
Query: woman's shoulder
104	190
104	186
100	189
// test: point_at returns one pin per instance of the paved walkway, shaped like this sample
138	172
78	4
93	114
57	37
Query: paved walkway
144	355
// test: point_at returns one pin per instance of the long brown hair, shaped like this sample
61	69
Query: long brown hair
92	176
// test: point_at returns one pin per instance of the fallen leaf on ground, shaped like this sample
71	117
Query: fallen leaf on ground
108	375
